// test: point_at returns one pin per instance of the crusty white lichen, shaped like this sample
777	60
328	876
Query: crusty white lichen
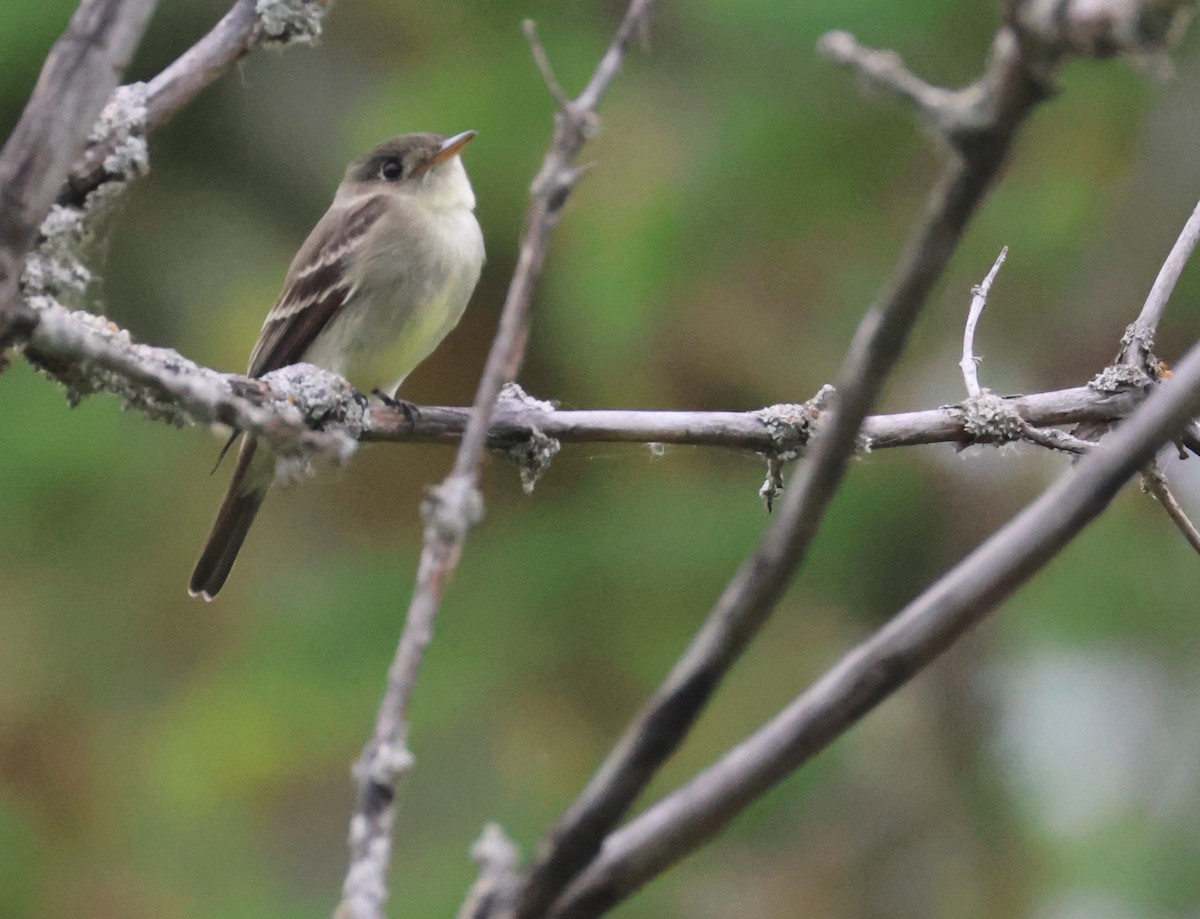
55	268
533	454
1118	378
288	21
87	353
791	426
322	399
990	418
513	392
122	128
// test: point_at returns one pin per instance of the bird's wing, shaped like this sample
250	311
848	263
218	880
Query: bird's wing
316	287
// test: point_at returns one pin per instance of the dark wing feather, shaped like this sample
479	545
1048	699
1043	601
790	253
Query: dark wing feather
316	287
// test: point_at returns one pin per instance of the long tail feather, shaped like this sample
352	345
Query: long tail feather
246	492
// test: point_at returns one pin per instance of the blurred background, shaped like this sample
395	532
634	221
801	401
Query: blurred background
164	758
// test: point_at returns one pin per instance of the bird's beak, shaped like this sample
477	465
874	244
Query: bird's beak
450	147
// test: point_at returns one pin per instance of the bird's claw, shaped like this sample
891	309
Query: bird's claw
408	409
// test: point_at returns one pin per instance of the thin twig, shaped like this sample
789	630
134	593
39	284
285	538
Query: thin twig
1155	482
454	506
1138	344
691	815
885	69
1054	439
979	295
529	27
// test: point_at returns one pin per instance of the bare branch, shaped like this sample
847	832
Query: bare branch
980	123
529	27
498	858
885	69
690	816
1137	346
1155	483
1054	439
453	507
969	362
79	75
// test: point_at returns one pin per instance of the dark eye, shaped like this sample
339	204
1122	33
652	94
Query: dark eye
392	169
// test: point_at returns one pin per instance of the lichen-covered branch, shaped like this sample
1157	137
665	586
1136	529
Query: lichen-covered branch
79	74
309	411
248	25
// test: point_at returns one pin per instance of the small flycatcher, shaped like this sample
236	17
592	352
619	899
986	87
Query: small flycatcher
382	278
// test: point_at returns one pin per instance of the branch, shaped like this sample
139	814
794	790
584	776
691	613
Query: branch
690	816
513	424
969	362
453	507
116	153
979	123
1137	345
1155	483
87	353
248	25
306	411
79	74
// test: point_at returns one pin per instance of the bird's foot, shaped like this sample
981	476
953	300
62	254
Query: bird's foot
409	410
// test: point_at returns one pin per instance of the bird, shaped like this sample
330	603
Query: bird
381	280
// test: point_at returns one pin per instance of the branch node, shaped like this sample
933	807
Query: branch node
380	767
497	857
988	418
791	426
452	508
1117	378
1138	342
533	453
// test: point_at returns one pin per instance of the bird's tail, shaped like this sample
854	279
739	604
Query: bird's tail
242	501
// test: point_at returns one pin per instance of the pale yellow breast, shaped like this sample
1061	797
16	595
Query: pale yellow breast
423	266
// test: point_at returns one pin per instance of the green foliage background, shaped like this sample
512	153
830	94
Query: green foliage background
162	758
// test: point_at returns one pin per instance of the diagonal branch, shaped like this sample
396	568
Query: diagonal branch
79	75
1137	346
979	124
694	813
454	506
1155	483
242	29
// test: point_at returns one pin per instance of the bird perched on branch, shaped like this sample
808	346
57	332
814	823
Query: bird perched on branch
382	278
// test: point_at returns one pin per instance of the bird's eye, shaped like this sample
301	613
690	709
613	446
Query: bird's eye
392	169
